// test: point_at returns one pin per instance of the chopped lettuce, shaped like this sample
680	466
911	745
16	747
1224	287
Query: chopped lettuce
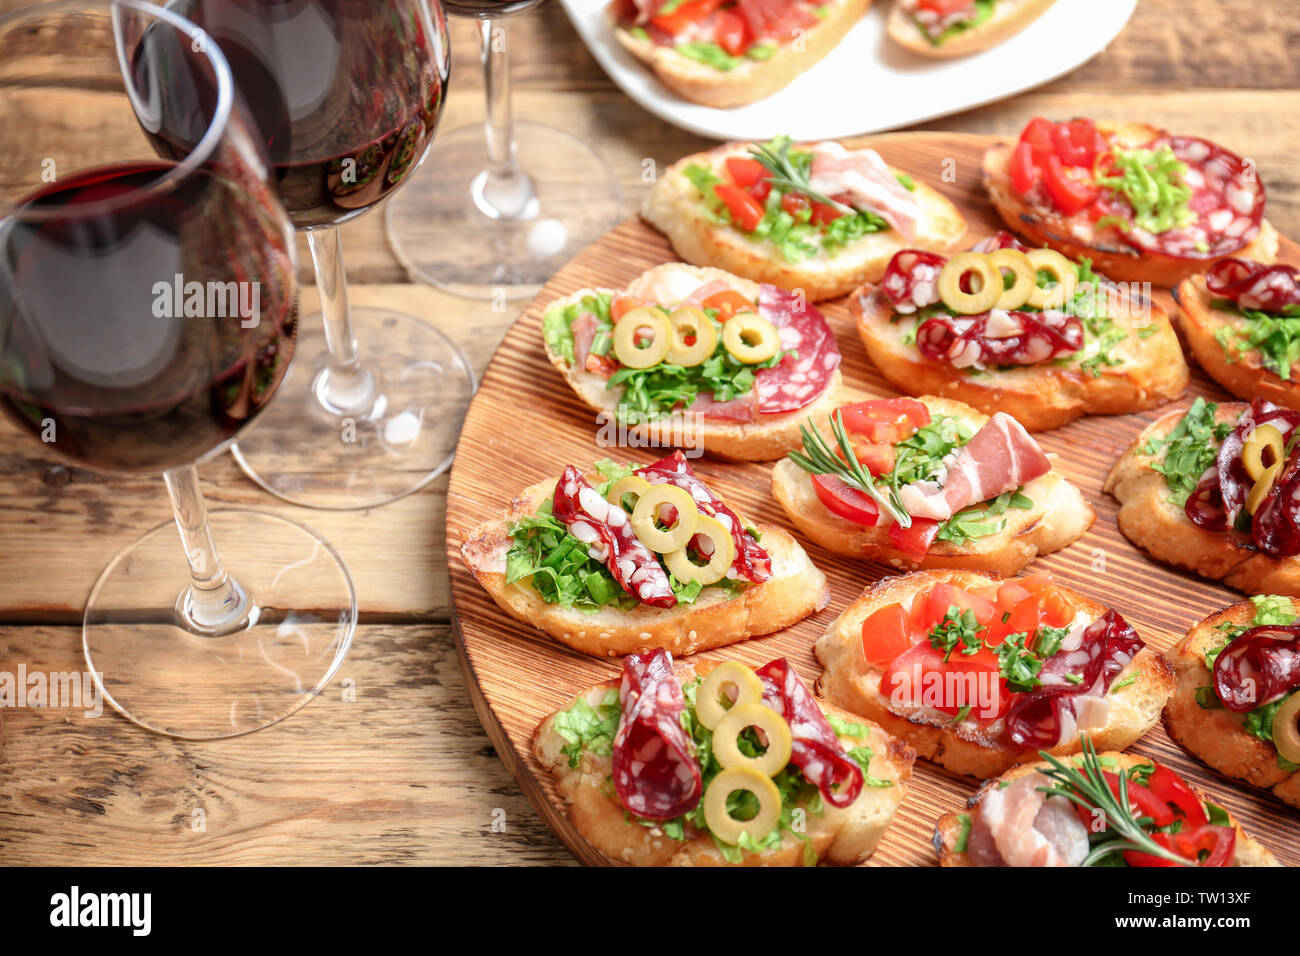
1189	449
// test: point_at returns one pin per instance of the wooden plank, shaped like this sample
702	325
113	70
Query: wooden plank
519	675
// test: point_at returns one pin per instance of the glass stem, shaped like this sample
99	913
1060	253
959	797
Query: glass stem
502	190
344	386
214	603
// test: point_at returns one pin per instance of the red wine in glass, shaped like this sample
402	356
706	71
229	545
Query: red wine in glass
126	369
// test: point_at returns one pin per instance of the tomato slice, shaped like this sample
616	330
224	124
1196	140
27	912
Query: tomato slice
760	190
729	32
1175	792
885	419
877	457
1038	134
1217	843
728	303
746	211
886	633
846	502
945	7
684	15
1071	189
944	595
914	542
822	213
1024	169
796	204
744	172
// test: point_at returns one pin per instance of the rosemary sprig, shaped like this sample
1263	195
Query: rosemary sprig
783	172
1087	788
819	459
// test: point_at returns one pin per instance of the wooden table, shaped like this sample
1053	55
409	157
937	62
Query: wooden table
404	773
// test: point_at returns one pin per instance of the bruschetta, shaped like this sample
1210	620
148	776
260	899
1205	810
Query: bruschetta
1058	343
721	53
1241	321
979	673
1142	204
928	483
591	560
1071	813
1215	489
697	358
665	767
948	28
1237	706
814	216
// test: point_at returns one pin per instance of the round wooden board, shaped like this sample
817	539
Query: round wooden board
525	425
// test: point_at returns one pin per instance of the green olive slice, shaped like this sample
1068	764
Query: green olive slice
1064	278
1286	728
724	553
709	709
750	338
688	322
1022	271
726	827
646	513
726	739
633	485
626	338
986	283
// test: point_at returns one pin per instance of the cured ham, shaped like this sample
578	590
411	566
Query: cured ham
863	180
1018	825
1000	457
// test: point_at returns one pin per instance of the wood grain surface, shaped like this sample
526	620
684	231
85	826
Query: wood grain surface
526	423
405	774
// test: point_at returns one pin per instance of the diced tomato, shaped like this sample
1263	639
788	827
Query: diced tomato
885	419
684	15
920	676
1175	792
1038	134
746	211
1078	142
1011	593
1024	169
944	595
745	172
728	303
1055	610
1071	189
877	457
731	32
886	633
601	364
760	190
823	213
1217	843
621	305
1024	618
914	541
796	204
944	7
849	503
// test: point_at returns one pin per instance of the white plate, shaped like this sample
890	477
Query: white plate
868	82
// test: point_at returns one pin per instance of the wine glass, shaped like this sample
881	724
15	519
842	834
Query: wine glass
502	205
346	95
148	313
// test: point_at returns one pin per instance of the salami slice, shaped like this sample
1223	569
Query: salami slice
752	562
611	540
911	280
999	337
1227	198
1253	285
816	750
812	353
1108	644
1259	666
655	772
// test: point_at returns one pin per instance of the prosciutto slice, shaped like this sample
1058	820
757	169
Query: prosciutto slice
1000	457
863	180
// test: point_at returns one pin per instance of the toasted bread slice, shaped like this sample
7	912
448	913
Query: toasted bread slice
1060	515
1150	370
1009	17
948	831
795	590
1216	736
767	438
1076	237
843	836
1241	373
675	208
851	682
752	79
1162	529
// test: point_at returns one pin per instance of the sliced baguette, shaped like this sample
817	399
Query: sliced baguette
1162	529
1216	736
753	79
1060	515
1151	370
1241	373
795	590
675	208
844	836
767	438
851	682
1076	237
948	831
1009	17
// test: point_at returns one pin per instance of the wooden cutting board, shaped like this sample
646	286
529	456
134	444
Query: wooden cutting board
525	425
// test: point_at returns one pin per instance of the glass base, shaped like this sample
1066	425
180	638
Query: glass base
445	231
302	612
397	443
